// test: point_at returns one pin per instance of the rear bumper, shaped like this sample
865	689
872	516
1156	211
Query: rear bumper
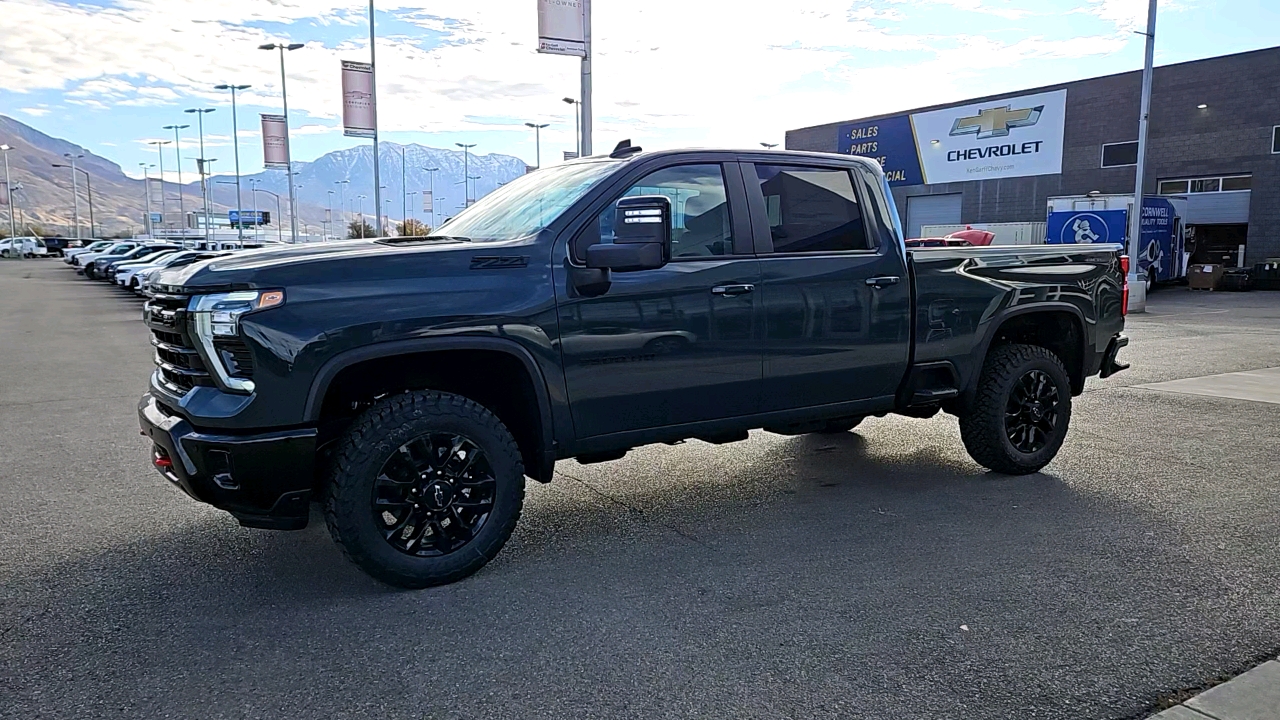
264	480
1110	365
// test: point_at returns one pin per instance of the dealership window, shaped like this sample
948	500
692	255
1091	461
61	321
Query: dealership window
1119	154
1228	183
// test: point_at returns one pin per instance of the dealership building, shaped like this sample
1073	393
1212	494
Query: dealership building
1214	138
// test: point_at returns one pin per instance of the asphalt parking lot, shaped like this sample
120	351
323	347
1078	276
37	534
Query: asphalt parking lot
881	574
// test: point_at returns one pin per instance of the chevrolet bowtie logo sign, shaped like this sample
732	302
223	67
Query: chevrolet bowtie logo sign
996	121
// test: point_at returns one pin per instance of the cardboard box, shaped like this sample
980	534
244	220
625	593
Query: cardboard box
1204	277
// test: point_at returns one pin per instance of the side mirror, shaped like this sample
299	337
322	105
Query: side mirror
642	236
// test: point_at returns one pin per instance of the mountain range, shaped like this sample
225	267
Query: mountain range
43	199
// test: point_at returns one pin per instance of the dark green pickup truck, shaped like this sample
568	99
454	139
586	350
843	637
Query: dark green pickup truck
411	384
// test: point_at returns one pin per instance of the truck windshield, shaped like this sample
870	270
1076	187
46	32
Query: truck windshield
528	204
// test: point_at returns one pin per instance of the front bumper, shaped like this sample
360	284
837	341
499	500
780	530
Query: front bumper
265	480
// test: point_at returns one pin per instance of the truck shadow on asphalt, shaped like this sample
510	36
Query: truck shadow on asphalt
834	554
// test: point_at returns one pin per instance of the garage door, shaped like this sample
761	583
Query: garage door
1218	208
932	210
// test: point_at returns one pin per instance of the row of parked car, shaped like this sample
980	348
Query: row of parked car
134	264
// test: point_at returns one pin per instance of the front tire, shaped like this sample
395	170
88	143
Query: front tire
1151	280
1019	416
426	489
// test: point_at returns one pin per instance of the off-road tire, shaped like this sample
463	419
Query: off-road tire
359	457
839	427
982	424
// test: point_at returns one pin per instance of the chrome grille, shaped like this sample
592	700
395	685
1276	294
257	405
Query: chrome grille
181	367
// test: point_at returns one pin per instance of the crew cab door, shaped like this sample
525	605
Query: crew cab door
834	286
673	345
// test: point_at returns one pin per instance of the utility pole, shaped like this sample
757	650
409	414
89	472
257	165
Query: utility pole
177	149
75	193
235	141
164	208
466	172
586	79
537	139
146	191
431	188
1137	285
8	191
373	99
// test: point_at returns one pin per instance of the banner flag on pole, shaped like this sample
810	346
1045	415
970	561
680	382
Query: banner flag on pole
428	202
358	115
275	143
561	28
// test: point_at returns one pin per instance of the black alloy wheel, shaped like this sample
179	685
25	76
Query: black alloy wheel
425	488
433	494
1031	414
1020	411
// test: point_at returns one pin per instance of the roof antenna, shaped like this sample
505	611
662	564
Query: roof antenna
624	149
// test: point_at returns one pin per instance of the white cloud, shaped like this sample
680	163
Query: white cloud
685	70
34	111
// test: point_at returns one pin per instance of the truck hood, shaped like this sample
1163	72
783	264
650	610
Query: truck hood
308	263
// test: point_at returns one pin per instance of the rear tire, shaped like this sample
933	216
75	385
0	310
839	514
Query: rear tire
1019	416
426	488
1151	280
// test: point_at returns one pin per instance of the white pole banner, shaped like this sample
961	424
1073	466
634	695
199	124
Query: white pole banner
560	28
427	201
357	100
275	142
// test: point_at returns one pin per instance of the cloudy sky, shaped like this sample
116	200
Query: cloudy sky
110	73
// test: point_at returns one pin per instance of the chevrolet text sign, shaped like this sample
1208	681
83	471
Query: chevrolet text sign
1009	137
561	30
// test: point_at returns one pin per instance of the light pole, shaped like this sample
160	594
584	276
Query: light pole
431	179
373	102
577	127
1137	284
177	150
257	222
466	182
8	191
75	194
466	190
768	146
146	192
537	139
279	227
206	171
204	182
330	224
235	142
284	99
412	210
164	207
404	197
342	188
361	218
88	188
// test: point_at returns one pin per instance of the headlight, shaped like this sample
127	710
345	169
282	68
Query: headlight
223	310
218	316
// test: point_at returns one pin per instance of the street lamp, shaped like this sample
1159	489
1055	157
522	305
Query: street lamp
768	146
204	184
88	188
342	193
288	152
235	141
466	149
8	191
177	151
361	218
164	208
146	191
577	127
329	224
279	227
537	139
257	221
75	194
431	179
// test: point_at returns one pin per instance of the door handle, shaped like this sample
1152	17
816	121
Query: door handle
882	281
731	290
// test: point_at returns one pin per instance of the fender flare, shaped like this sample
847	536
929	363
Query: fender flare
980	351
336	364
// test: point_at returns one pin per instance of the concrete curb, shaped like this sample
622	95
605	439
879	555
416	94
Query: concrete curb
1254	695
